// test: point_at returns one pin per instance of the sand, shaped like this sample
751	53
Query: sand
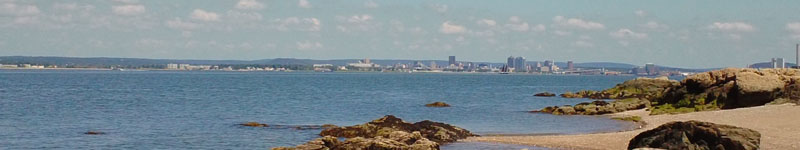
779	126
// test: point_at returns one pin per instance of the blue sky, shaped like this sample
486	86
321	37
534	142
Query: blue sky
694	34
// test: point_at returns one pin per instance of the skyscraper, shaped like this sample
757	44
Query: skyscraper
519	64
651	69
510	63
797	58
570	66
452	61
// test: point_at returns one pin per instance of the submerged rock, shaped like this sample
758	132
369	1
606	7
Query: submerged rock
94	133
697	135
545	94
254	124
437	104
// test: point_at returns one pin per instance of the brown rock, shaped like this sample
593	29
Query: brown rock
697	135
94	133
254	124
437	104
545	94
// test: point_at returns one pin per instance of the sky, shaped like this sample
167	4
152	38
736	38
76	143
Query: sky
679	33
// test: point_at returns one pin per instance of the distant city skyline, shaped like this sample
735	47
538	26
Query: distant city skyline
688	34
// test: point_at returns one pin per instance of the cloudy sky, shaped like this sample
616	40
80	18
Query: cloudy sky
695	34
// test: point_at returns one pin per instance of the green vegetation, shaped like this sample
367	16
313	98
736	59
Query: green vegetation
629	118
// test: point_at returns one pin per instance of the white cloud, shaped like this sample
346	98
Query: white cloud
128	10
640	13
487	22
539	28
13	9
359	19
448	28
516	24
732	27
303	4
249	5
655	25
177	23
243	16
295	23
202	15
370	4
627	34
308	45
562	33
357	22
577	23
794	27
582	44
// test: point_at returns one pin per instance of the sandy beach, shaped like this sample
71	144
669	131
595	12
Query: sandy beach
779	126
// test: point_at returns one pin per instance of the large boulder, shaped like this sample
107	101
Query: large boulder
695	135
435	131
733	88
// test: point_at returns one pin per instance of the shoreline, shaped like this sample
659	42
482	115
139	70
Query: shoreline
779	130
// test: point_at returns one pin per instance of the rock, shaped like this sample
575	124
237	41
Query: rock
437	104
597	107
323	143
733	88
643	88
396	140
434	131
94	133
545	94
254	124
697	135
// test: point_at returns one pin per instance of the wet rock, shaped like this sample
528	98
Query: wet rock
437	104
254	124
697	135
434	131
545	94
596	107
94	133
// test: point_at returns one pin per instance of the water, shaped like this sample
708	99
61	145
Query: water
199	110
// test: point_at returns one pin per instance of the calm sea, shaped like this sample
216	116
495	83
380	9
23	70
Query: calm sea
42	109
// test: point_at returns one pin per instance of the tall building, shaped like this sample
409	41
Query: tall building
570	66
452	61
172	66
519	64
549	63
778	63
797	58
510	63
651	69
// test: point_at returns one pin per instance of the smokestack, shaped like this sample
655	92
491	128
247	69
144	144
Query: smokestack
797	59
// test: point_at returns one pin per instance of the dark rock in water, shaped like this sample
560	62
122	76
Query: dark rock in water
545	94
254	124
387	133
597	107
697	135
435	131
94	133
437	104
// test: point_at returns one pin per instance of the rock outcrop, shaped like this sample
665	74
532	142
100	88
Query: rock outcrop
254	124
695	135
544	94
94	133
387	133
644	88
733	88
437	104
435	131
597	107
